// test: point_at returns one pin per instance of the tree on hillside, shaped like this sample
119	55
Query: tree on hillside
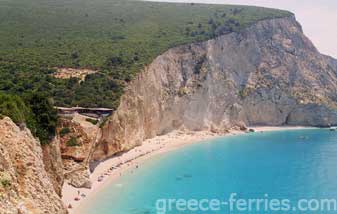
45	116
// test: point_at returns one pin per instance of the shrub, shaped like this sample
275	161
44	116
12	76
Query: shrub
13	107
93	121
245	92
199	63
182	91
5	180
45	116
64	131
72	142
105	119
5	183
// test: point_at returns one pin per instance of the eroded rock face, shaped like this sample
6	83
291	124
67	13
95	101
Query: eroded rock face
77	146
25	186
53	164
268	74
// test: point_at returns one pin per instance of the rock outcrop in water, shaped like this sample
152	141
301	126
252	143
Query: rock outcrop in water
25	186
267	74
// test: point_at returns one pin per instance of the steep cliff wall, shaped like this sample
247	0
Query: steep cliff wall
25	187
77	145
268	74
53	164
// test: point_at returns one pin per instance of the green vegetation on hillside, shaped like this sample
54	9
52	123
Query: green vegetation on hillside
35	110
92	121
64	131
72	142
15	108
116	37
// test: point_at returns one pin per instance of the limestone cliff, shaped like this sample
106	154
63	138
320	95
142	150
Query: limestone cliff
25	187
267	74
53	164
77	141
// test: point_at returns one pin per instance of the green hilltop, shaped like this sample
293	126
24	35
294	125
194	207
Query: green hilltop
116	37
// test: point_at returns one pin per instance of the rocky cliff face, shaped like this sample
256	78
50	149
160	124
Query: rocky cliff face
268	74
53	164
25	187
77	145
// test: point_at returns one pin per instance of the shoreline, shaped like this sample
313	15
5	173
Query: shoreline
111	169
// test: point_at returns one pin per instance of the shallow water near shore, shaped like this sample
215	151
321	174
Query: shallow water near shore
291	164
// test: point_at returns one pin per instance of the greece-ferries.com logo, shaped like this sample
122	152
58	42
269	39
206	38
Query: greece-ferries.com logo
236	205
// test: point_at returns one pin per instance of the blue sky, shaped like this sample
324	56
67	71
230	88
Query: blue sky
318	18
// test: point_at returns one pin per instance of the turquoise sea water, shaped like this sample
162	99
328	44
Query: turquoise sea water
297	164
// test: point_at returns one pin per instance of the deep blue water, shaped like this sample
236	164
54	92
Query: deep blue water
283	164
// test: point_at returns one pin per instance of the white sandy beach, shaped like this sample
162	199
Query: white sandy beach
110	169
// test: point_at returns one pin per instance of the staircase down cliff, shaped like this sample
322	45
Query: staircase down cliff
267	74
25	187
